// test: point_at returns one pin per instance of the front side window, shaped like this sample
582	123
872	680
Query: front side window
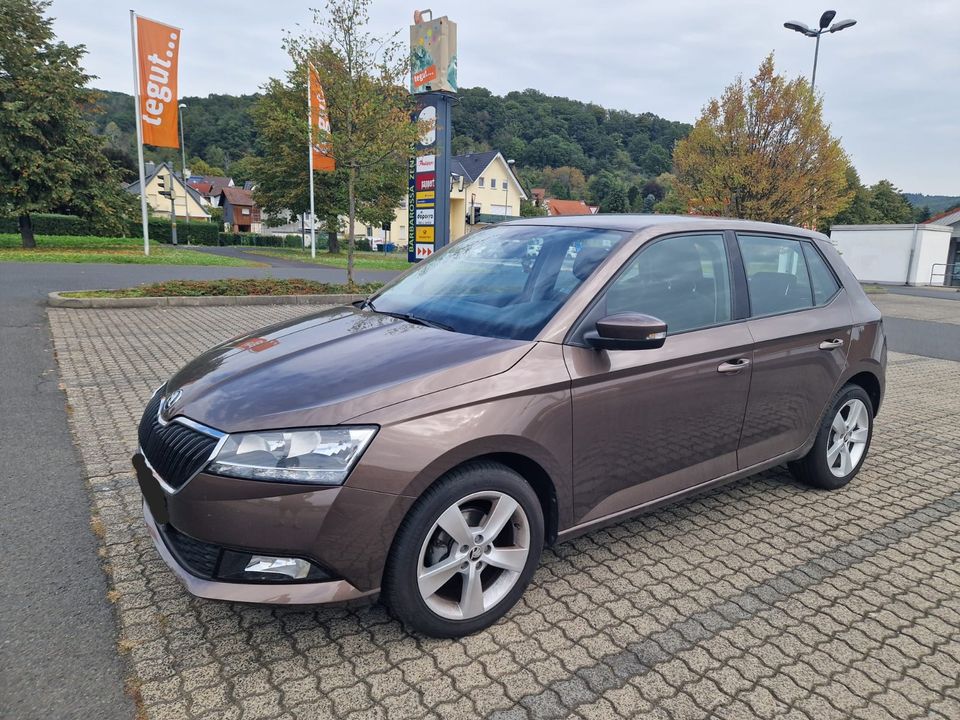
777	278
480	181
504	282
493	183
682	280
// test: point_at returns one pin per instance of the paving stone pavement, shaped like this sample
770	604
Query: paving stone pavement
760	599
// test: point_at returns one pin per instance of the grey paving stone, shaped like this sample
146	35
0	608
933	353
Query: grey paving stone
757	598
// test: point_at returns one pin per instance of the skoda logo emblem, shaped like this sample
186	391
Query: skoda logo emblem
172	399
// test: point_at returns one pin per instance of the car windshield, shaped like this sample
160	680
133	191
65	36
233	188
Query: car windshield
504	282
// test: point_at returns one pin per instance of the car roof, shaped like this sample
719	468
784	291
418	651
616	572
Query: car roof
676	223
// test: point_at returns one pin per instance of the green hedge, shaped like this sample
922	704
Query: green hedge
256	240
198	233
52	224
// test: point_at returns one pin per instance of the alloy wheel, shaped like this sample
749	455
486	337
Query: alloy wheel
473	555
849	433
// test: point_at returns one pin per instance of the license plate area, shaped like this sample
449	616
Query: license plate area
152	492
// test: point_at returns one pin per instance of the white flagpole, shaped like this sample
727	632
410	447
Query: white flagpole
136	117
313	217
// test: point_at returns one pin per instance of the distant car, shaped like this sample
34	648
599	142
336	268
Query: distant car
425	445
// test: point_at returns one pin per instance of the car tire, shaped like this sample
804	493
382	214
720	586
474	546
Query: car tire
843	440
443	577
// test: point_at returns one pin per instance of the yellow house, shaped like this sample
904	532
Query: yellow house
160	178
481	184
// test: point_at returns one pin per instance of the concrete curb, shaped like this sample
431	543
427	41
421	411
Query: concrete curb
55	299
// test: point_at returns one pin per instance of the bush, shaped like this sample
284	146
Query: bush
198	233
256	240
53	224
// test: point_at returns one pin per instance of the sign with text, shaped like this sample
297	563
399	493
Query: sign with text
424	217
320	145
158	49
426	163
411	208
433	55
425	233
427	181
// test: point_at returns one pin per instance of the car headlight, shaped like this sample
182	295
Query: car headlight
324	456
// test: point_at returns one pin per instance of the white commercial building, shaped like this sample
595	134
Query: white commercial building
895	254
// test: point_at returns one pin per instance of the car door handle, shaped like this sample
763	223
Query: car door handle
831	344
734	366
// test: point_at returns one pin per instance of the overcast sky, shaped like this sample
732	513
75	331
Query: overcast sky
889	83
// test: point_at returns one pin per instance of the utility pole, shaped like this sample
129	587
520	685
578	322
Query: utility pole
173	207
183	171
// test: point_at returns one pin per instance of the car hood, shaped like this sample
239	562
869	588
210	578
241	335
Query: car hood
327	368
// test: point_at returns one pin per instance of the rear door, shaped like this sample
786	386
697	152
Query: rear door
800	319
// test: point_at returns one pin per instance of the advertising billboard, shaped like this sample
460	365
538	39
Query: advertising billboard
433	55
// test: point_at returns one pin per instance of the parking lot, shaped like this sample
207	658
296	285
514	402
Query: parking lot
761	599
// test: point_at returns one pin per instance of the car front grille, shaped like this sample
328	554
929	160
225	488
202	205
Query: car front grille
198	557
175	451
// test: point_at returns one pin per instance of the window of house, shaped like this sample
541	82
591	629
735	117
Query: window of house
480	181
777	277
824	283
493	183
682	280
245	211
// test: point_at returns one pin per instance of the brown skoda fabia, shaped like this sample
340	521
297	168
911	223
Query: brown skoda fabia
528	383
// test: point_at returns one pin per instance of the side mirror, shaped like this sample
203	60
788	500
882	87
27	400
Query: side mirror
627	331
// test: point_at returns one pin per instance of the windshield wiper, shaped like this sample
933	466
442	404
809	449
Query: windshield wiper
410	318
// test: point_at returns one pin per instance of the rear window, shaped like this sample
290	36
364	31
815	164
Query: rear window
822	279
777	277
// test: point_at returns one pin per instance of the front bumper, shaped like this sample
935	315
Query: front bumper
344	531
331	591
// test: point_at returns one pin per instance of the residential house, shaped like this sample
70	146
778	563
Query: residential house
240	212
210	186
568	207
951	218
161	178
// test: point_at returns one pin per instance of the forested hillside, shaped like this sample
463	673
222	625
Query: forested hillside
616	149
936	203
540	131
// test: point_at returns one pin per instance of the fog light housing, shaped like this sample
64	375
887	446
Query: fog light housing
260	568
293	568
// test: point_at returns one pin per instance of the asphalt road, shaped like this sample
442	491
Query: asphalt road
58	657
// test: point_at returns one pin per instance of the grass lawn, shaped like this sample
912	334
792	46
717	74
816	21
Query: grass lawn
229	286
361	260
88	249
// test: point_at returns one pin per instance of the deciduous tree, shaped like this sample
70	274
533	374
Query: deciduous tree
762	151
50	160
364	79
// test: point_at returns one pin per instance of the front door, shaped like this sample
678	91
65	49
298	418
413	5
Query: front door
649	423
801	323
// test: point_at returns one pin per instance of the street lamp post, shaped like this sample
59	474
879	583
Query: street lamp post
825	27
183	169
506	188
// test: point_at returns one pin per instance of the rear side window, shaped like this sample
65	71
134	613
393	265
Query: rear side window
824	283
777	277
